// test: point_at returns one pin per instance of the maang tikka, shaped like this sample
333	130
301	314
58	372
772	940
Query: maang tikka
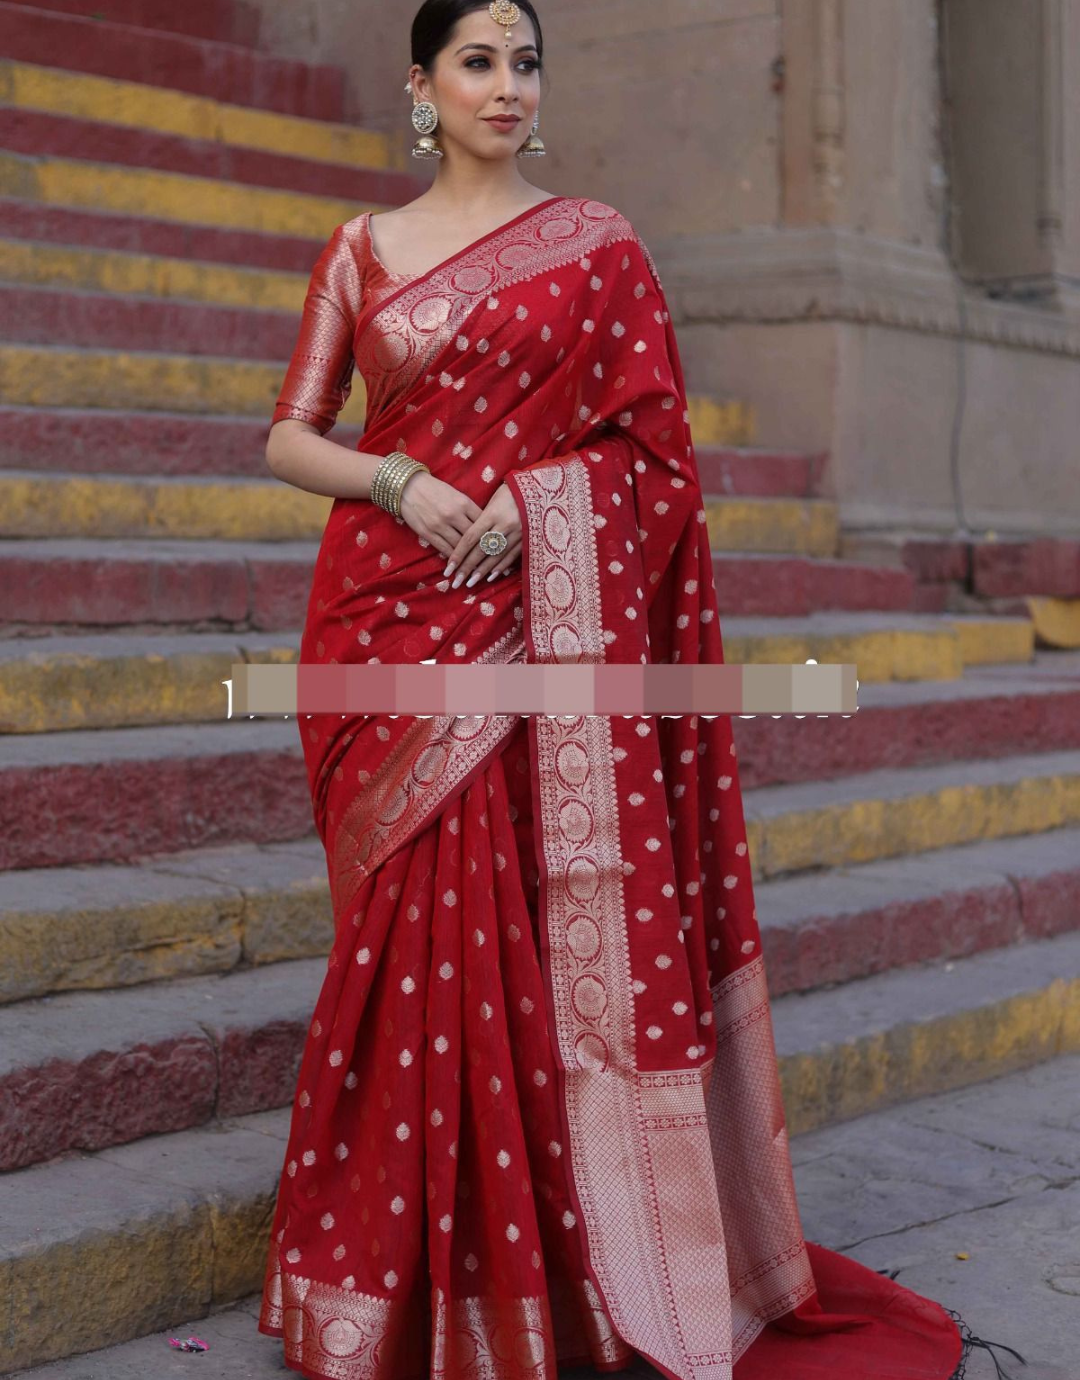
425	117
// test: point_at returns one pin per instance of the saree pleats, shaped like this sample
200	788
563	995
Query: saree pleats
443	1214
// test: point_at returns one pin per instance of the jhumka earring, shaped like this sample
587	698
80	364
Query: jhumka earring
424	117
533	147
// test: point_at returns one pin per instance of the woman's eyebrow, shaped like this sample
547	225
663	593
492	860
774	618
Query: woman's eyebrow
487	48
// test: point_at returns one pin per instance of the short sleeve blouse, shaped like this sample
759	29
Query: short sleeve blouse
346	278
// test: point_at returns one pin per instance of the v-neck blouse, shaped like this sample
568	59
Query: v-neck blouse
347	280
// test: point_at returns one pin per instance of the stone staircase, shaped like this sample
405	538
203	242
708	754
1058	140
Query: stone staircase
164	912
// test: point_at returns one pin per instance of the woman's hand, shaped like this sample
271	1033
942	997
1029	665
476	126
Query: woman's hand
501	514
436	511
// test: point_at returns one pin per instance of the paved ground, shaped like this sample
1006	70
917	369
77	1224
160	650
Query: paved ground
992	1171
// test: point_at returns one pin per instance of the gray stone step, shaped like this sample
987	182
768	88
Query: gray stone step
87	1070
971	1197
886	1039
97	796
171	916
894	812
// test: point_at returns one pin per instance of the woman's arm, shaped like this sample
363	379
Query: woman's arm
298	454
318	383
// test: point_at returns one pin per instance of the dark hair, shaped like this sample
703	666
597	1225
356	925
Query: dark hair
435	22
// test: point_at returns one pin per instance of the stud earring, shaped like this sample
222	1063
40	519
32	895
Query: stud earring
425	118
533	147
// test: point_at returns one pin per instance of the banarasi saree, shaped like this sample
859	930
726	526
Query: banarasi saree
538	1118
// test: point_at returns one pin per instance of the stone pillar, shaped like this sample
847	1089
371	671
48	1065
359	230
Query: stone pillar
1016	229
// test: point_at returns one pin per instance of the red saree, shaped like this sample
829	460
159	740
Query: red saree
538	1117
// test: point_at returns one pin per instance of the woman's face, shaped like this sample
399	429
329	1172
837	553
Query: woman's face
480	72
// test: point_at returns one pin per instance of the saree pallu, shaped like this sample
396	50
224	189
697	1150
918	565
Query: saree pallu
538	1116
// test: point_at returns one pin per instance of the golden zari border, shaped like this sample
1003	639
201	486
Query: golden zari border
645	1146
415	781
340	1334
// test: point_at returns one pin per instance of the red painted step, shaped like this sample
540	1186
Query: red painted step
838	926
199	66
164	444
749	472
39	134
984	567
777	586
1048	566
990	712
207	585
192	586
222	21
30	220
124	794
105	321
85	1070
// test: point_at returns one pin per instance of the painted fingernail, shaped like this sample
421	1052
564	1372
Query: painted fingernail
449	568
458	580
493	576
472	580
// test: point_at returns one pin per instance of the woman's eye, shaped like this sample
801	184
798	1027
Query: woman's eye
530	64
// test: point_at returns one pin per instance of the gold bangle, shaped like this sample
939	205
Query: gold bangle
390	479
384	481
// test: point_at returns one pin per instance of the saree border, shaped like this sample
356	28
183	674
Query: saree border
345	1334
660	1262
432	761
411	280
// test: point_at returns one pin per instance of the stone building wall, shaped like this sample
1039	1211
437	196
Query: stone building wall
866	215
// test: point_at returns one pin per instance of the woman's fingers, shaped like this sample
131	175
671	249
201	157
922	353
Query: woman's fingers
501	515
475	572
477	567
505	561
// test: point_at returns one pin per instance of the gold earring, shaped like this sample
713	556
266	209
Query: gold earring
533	147
425	118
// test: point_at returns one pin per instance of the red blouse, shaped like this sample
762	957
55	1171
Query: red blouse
346	279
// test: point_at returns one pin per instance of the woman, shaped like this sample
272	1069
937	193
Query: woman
538	1117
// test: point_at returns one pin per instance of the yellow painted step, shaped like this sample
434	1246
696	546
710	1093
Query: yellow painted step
719	422
42	692
149	275
37	376
909	651
1057	621
66	505
173	196
938	808
989	641
228	912
977	1037
33	505
808	527
113	682
28	86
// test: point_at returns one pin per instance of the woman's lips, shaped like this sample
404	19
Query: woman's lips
506	124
